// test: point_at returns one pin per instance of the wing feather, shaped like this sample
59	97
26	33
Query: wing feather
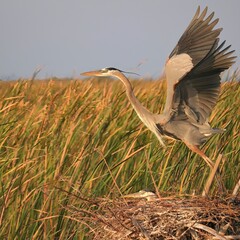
193	70
198	38
199	88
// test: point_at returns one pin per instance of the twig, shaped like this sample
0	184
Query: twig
234	237
211	176
138	225
207	229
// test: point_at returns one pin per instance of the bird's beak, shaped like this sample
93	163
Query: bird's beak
91	73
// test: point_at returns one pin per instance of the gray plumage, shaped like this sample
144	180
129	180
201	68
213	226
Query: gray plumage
193	83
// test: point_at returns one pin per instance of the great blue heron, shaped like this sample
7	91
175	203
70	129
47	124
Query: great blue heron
193	83
142	194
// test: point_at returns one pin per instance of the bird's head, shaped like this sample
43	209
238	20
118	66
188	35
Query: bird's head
145	194
110	72
105	72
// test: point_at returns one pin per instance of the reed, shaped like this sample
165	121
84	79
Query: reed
65	138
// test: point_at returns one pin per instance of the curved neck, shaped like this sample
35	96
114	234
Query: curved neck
138	107
147	117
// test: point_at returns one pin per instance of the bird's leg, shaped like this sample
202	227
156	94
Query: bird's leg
201	153
209	163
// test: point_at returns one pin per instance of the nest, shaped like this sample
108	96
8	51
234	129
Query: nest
165	218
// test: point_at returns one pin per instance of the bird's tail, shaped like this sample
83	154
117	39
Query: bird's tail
217	130
208	131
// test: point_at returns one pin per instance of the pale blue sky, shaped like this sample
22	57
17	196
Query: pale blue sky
67	37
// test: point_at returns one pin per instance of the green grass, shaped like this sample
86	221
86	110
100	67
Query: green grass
61	140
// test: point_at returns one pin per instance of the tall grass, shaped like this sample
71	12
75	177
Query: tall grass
63	140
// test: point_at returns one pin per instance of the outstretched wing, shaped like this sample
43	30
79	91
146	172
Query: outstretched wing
198	38
193	70
197	92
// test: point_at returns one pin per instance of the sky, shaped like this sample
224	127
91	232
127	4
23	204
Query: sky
66	37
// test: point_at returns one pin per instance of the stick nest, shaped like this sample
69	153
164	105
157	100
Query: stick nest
165	218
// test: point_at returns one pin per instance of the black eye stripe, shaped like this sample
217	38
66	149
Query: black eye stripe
104	70
112	68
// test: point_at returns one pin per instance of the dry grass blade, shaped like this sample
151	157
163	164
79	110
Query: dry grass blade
209	230
236	189
212	175
64	140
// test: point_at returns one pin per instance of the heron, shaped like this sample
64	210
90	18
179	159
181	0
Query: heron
193	78
142	194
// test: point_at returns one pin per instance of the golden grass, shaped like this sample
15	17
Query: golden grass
84	138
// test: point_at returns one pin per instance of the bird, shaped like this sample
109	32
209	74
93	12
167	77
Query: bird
192	72
142	194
